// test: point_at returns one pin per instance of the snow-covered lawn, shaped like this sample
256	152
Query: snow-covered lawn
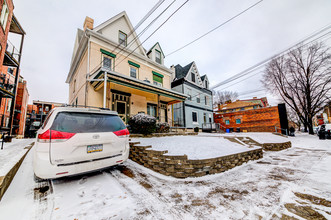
261	137
195	147
256	190
12	153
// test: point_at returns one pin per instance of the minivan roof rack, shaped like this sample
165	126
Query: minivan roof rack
85	106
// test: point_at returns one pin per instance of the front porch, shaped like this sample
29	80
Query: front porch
130	96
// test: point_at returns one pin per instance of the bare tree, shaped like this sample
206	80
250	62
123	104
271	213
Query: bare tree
220	97
302	78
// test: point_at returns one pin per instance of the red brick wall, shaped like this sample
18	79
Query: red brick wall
4	33
257	120
21	105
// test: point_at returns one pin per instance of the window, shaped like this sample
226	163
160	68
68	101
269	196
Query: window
198	99
9	105
106	62
10	70
206	82
158	56
227	122
4	15
255	107
74	86
204	118
157	80
76	122
189	93
206	100
133	72
242	109
122	38
193	77
46	108
210	118
194	117
238	121
151	109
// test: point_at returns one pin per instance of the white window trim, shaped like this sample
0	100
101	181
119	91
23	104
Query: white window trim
111	61
4	15
137	71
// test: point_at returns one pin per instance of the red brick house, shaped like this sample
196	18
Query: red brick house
251	117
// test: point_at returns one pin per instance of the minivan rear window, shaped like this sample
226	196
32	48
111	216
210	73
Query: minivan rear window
76	122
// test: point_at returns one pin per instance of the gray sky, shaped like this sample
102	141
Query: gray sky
263	31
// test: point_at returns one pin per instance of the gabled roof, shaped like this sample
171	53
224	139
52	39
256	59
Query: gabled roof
150	50
115	18
181	72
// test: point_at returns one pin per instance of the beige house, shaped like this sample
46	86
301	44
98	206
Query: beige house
110	69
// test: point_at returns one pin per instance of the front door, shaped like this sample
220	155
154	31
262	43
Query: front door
121	110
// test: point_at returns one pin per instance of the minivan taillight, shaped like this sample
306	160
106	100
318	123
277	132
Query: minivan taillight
122	133
56	136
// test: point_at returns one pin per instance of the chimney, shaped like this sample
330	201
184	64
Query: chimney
88	23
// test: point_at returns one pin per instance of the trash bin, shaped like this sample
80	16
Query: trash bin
237	129
321	133
231	130
227	130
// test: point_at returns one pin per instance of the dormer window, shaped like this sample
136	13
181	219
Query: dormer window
193	77
122	38
158	56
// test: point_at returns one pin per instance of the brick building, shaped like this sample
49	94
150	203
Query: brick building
22	98
254	120
10	58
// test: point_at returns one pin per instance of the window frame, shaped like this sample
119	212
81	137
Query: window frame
193	77
227	122
120	41
196	113
237	121
4	15
136	69
109	57
154	106
159	53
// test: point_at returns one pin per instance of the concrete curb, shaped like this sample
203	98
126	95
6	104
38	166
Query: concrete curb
6	180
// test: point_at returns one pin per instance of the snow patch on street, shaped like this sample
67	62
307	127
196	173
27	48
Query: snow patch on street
12	152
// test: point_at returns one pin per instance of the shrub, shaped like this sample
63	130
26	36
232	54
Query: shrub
162	127
142	124
196	129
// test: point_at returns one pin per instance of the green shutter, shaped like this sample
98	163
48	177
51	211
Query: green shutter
133	64
157	74
108	53
157	78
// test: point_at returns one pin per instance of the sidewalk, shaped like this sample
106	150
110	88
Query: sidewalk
11	158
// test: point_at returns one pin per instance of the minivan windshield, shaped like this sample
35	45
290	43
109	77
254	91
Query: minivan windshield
78	122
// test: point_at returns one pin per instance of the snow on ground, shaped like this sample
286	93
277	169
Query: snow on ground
12	153
195	147
261	137
256	190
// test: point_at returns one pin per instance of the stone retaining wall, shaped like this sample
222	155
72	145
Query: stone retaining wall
161	134
276	146
182	167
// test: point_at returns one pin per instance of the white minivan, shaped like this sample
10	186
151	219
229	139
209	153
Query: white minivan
78	140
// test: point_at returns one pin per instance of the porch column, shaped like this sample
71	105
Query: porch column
105	90
158	107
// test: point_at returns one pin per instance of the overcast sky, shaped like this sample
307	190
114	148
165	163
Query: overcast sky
261	32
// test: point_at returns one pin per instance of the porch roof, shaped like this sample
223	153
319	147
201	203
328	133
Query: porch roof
131	82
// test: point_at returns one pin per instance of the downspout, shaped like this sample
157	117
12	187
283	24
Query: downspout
87	69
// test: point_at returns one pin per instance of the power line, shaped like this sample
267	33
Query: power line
254	67
215	28
153	32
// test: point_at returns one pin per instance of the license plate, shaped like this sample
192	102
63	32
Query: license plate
94	148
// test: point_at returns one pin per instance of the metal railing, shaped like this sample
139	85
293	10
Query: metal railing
4	121
11	49
281	130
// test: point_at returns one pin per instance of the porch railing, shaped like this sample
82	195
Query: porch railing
12	51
